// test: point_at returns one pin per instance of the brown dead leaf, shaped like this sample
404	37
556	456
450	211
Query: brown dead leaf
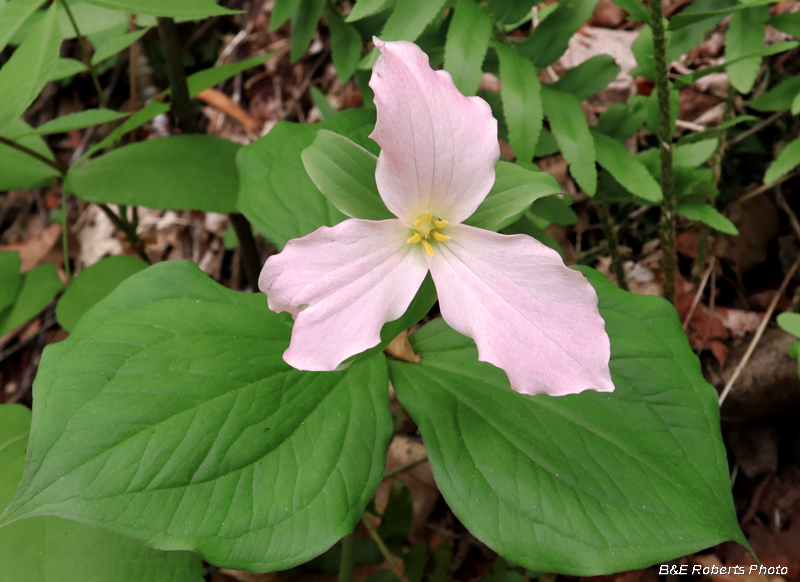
33	251
225	104
400	349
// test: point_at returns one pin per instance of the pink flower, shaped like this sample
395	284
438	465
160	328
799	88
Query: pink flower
527	312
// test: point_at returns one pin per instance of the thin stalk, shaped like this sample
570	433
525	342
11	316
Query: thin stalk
181	104
607	224
251	260
412	463
669	259
61	168
387	555
87	58
65	236
348	558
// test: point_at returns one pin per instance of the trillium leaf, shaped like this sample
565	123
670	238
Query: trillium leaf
182	172
626	169
467	42
13	15
77	120
170	417
51	548
20	171
37	288
584	484
276	193
183	9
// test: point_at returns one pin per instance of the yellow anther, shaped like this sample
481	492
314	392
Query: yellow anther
428	216
440	237
440	223
428	248
417	222
414	239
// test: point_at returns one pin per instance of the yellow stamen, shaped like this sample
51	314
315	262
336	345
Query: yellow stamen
414	239
428	248
440	237
440	223
417	222
428	216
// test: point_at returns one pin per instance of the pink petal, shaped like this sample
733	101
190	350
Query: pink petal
528	313
341	284
438	148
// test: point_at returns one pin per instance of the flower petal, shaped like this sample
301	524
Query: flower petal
528	313
438	148
341	285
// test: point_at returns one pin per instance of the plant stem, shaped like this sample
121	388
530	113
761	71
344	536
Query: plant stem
61	168
251	260
412	463
86	56
65	236
665	146
607	224
181	103
347	561
387	555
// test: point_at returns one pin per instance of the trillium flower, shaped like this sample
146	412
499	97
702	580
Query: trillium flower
528	313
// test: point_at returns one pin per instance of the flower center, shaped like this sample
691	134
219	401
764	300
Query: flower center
426	227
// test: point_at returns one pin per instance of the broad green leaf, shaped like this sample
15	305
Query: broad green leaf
10	278
708	215
197	82
514	190
549	40
66	68
569	127
686	18
588	78
584	484
786	161
779	97
116	44
169	416
182	172
29	68
788	23
53	549
18	170
522	101
345	44
184	9
553	210
635	9
622	120
282	12
467	41
304	23
547	144
745	35
625	168
790	323
765	52
13	15
694	155
276	194
345	173
91	19
37	288
409	18
365	8
77	120
93	284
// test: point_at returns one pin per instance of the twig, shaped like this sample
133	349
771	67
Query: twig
65	235
759	332
62	169
86	56
251	260
712	298
789	212
405	466
181	103
607	223
765	187
699	294
387	555
755	129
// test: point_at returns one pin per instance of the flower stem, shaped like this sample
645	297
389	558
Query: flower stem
387	555
607	224
181	102
348	558
87	59
250	257
665	146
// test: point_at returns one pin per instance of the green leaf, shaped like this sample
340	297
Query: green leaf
766	52
515	189
584	484
184	9
170	416
635	9
66	68
345	45
549	40
588	78
522	101
282	12
546	146
182	172
91	19
365	8
276	193
643	52
745	35
38	287
116	44
622	120
790	323
788	23
625	168
51	548
409	18
779	97
321	102
510	12
694	155
77	120
13	15
708	215
304	23
29	68
571	131
686	18
689	37
467	42
345	174
786	161
10	280
18	170
92	285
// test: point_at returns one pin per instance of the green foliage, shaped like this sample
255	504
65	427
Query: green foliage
10	279
66	68
282	12
779	97
522	101
708	215
695	154
786	161
409	18
18	170
625	168
183	9
765	52
467	42
345	44
116	44
71	121
549	40
590	77
92	285
36	289
13	15
788	23
686	17
185	172
745	35
588	494
304	23
241	458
